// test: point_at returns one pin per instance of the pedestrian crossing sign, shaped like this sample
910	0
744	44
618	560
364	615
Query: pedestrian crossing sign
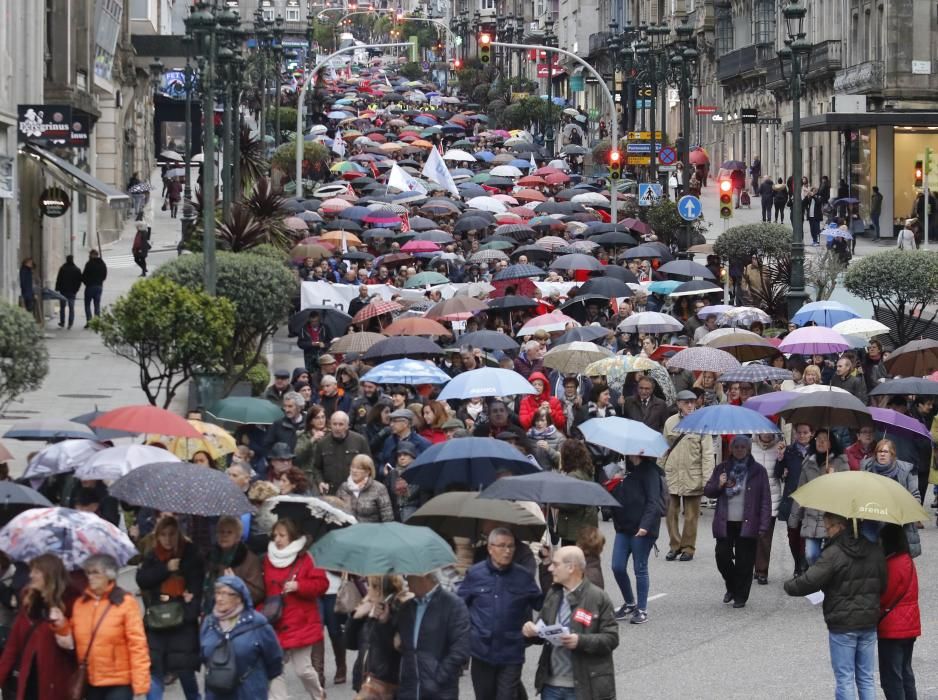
648	193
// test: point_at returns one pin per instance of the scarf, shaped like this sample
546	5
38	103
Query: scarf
355	488
174	585
474	410
232	614
736	479
547	433
890	470
282	558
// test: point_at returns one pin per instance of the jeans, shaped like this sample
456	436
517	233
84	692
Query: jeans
491	682
812	549
93	296
555	692
331	620
70	302
853	658
190	686
895	669
875	219
109	692
638	548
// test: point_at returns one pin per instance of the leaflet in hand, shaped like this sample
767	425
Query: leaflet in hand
551	633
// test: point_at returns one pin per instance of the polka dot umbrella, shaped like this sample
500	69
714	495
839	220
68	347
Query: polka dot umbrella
181	487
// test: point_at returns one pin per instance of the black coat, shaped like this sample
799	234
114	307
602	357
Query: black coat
639	495
95	272
374	642
68	280
174	650
791	461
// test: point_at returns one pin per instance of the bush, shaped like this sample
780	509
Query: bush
266	250
25	360
258	377
668	224
765	240
315	155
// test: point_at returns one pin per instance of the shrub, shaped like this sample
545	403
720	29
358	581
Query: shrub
25	360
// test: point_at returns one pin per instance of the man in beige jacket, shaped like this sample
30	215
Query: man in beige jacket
687	466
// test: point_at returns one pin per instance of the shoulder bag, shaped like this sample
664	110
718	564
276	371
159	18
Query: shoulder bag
78	684
272	607
165	616
221	668
348	597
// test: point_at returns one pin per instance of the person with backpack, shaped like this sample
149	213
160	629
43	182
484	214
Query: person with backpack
744	507
642	493
141	247
238	646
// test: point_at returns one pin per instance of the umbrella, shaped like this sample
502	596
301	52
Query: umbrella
770	403
424	279
511	302
721	332
50	429
686	268
814	340
181	487
114	462
573	358
704	359
862	495
744	347
551	488
588	334
861	328
356	342
459	514
171	155
517	272
401	346
245	410
101	433
915	359
823	408
695	288
336	320
725	419
61	457
576	261
733	165
314	516
71	535
899	425
406	371
605	286
376	308
378	549
416	326
494	340
756	373
15	498
650	322
146	419
743	316
471	462
824	313
906	386
484	382
627	437
457	307
141	187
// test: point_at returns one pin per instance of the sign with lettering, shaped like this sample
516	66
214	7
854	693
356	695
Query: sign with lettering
44	125
53	202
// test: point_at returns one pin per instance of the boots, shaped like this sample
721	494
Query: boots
338	648
317	656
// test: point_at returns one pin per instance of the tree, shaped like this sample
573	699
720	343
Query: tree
25	359
901	283
315	158
821	272
262	291
169	332
766	240
668	224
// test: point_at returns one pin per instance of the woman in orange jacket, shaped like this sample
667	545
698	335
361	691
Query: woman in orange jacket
116	654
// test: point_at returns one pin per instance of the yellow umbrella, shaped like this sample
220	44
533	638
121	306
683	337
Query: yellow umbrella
216	441
862	495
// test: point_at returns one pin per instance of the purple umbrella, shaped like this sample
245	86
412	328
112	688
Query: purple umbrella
771	403
814	340
898	424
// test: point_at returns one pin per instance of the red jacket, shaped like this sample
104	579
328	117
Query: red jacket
434	435
300	625
532	402
855	456
54	665
901	594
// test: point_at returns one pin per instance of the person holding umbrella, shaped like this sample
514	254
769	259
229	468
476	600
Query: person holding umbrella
823	458
884	463
370	631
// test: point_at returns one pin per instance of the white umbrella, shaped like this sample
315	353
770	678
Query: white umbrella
720	332
114	462
814	388
319	129
171	155
506	171
515	141
559	164
570	112
861	327
591	198
487	204
61	457
650	322
573	358
458	154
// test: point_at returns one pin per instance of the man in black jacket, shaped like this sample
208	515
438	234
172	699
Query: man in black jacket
646	407
67	283
93	277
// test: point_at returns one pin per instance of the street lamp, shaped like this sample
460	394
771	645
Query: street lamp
650	52
278	71
795	60
549	131
683	75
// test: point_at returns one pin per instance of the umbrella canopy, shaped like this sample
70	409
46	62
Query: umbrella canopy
814	340
686	268
823	408
756	373
573	358
456	308
376	308
488	381
61	458
50	429
416	326
627	437
861	328
314	516
470	462
181	487
517	272
725	419
356	342
402	346
915	359
893	423
245	410
426	278
862	495
744	347
650	322
493	340
114	462
824	313
71	535
406	371
906	386
461	514
551	488
770	403
588	334
742	316
146	419
606	286
704	359
576	261
332	318
379	549
15	498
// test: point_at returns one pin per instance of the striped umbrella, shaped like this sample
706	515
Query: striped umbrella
355	342
375	309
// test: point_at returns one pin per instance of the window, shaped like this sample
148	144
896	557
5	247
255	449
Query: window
763	20
486	4
293	14
268	14
724	29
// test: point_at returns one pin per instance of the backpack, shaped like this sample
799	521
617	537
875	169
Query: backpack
221	668
664	496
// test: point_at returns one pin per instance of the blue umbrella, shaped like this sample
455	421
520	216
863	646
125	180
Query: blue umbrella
470	462
521	164
406	372
627	437
824	313
488	381
725	420
425	121
664	286
484	156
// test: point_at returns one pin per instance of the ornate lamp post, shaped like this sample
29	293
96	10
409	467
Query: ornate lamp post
278	70
683	75
262	35
549	40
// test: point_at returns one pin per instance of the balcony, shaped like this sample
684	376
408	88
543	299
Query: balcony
598	42
747	62
825	59
861	79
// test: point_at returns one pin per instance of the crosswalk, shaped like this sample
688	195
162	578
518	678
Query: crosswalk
123	261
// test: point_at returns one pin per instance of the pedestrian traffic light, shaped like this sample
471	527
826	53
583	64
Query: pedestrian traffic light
919	171
485	48
726	199
615	165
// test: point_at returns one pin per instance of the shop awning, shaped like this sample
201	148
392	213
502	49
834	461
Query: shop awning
841	121
78	179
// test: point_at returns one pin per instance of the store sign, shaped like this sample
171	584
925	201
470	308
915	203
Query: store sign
706	109
80	135
542	70
54	202
576	83
44	125
748	115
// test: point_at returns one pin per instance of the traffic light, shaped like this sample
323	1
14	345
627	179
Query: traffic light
919	171
615	165
457	64
485	48
726	199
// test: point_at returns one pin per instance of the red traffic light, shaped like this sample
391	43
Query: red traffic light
457	64
485	39
725	185
614	156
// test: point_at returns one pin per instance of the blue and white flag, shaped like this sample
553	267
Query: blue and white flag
338	144
533	164
401	180
436	170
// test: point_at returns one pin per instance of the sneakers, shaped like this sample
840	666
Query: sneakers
671	556
625	611
639	617
687	556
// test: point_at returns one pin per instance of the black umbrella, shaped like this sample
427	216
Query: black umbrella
686	268
314	516
824	408
511	302
400	347
906	386
581	300
551	488
470	462
694	287
50	430
516	272
595	228
420	223
619	273
614	239
606	286
586	334
336	320
181	487
471	223
576	261
559	208
15	498
489	340
534	252
645	250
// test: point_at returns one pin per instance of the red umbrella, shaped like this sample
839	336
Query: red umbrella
146	419
698	156
557	179
420	247
376	308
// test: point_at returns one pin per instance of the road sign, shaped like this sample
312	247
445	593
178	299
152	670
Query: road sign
641	147
648	193
667	156
638	160
425	66
689	207
666	168
642	136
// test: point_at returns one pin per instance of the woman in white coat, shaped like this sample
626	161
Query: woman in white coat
767	450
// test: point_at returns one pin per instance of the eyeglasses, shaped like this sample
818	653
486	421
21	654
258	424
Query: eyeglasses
502	546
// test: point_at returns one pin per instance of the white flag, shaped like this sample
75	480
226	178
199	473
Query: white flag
401	180
533	164
338	144
436	170
344	241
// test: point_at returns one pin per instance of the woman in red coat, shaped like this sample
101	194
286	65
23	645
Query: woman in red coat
44	668
900	620
532	402
434	416
289	571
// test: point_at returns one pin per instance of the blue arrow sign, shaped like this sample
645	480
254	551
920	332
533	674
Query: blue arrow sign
689	207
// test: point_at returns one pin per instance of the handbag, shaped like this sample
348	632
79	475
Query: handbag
374	689
78	683
272	607
348	597
165	616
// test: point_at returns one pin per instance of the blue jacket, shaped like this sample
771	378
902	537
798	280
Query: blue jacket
500	602
389	450
257	651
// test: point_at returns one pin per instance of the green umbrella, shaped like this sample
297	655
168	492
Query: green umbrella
378	549
479	178
422	279
863	495
496	245
246	410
